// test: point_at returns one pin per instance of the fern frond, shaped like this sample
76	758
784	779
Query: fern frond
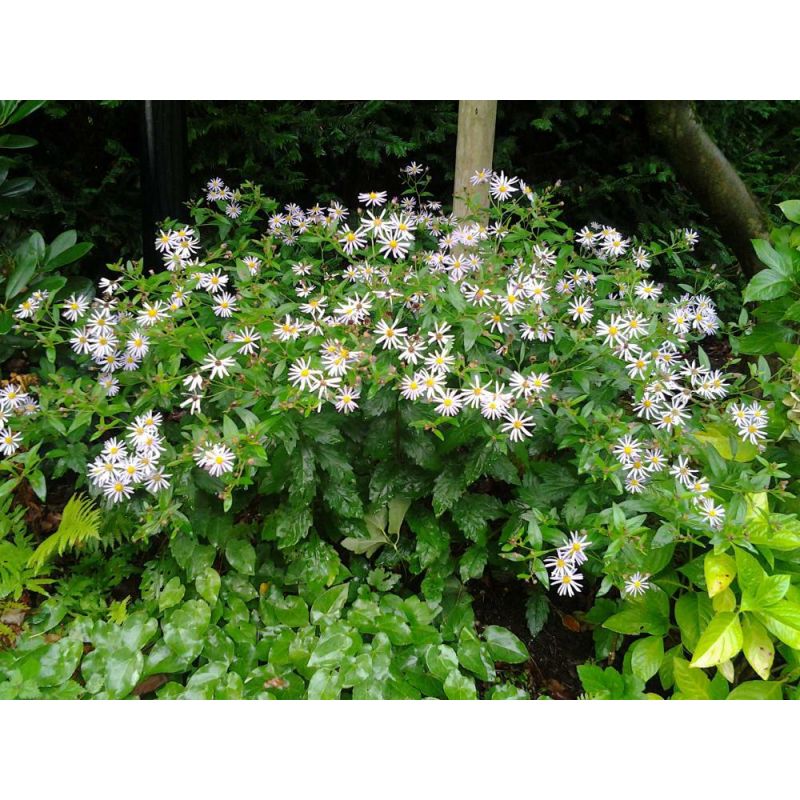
80	521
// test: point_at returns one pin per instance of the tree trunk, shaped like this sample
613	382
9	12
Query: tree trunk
163	165
702	167
474	150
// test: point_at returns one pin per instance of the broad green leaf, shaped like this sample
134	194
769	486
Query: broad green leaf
123	669
692	683
537	609
207	584
458	686
720	570
474	656
58	662
185	631
648	614
757	645
69	255
725	442
646	657
171	594
750	572
241	556
791	210
329	603
778	532
441	660
505	646
330	650
783	620
720	641
757	690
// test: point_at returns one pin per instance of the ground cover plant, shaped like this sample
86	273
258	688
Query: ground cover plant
305	455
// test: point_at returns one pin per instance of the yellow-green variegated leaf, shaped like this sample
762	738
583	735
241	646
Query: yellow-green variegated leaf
758	647
720	570
720	641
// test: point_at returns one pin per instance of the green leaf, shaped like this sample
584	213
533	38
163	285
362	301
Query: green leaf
11	141
537	609
398	506
719	570
646	657
59	661
750	572
185	632
474	656
720	641
473	562
61	243
207	584
783	620
791	210
70	255
171	594
448	488
693	684
757	690
757	645
441	660
777	531
241	556
123	669
330	650
329	603
458	686
505	646
649	614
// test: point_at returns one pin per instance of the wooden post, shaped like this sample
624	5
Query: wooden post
163	165
474	150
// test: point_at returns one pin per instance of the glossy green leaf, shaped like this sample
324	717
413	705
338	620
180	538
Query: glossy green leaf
505	646
757	690
646	657
330	603
458	686
757	645
207	584
241	556
720	641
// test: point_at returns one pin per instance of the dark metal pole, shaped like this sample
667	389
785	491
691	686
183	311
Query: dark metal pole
164	174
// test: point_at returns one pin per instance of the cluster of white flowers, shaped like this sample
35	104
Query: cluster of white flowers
30	305
750	421
216	190
178	248
121	468
564	564
14	401
216	459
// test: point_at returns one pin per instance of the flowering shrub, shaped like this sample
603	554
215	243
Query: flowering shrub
438	394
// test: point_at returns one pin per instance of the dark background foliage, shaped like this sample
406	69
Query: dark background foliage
87	162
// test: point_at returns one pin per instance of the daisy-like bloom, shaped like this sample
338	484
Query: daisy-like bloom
585	236
439	334
216	460
12	396
494	404
376	199
193	382
691	238
252	263
336	211
647	290
637	584
233	210
638	364
474	392
118	489
192	402
671	417
679	321
712	386
613	331
392	244
752	432
477	295
157	480
27	308
627	449
351	240
101	322
165	241
346	399
441	361
635	484
213	281
390	335
74	308
634	325
248	338
303	375
9	441
80	341
513	301
481	176
178	298
683	472
107	286
109	383
654	460
218	367
138	344
520	385
540	382
411	351
699	486
711	513
581	308
517	426
575	548
114	450
151	314
225	305
102	471
569	583
372	224
129	469
501	187
449	403
288	330
411	387
432	382
559	565
538	292
614	245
